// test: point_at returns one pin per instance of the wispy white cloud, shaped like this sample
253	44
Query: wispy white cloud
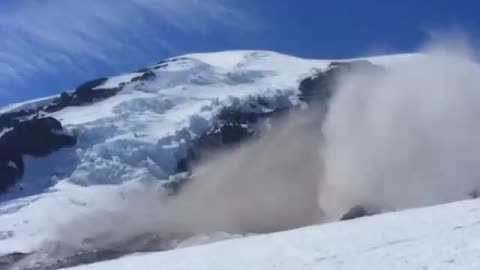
40	36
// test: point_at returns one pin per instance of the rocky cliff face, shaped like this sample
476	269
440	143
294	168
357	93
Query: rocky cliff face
37	137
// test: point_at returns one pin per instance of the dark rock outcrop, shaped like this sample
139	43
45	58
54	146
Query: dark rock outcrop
84	94
172	60
160	66
37	137
358	212
11	119
474	194
148	75
8	260
321	86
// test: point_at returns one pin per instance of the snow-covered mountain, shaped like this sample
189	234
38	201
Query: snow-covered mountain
154	113
113	166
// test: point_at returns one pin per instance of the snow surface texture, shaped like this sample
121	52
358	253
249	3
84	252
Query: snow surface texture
441	237
131	142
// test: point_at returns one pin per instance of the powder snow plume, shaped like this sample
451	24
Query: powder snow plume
407	138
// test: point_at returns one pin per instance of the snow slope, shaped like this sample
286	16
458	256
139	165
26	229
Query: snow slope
440	237
139	135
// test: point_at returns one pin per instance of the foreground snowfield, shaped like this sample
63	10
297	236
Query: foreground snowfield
440	237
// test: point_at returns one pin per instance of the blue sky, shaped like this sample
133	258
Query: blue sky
52	45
